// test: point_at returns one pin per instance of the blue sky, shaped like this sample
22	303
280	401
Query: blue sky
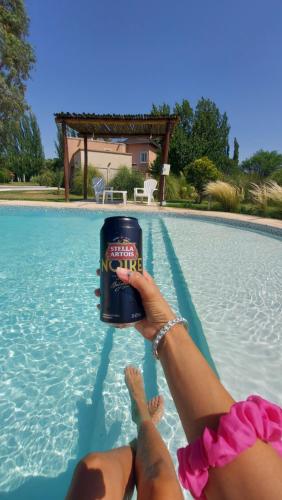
120	56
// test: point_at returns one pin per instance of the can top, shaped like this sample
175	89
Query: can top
121	218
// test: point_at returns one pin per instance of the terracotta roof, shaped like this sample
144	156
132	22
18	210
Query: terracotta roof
118	125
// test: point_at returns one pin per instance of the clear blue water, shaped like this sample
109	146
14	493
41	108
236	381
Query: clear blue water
62	389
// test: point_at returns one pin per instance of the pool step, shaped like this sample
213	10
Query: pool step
186	307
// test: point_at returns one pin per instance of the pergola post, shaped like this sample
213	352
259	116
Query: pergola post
85	172
165	148
66	163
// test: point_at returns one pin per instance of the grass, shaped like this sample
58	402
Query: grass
37	196
273	211
10	184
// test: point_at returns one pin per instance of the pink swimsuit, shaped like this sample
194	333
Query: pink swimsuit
238	430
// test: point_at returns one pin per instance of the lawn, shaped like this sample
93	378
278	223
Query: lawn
37	196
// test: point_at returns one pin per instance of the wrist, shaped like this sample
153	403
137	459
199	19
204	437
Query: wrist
173	340
164	332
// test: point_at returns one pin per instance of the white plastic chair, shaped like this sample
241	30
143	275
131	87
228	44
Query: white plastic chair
98	185
147	191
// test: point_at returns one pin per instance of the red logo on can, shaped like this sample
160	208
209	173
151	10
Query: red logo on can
121	251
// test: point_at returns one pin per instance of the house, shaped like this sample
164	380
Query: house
134	153
143	151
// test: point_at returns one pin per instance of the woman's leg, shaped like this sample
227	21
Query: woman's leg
108	475
154	471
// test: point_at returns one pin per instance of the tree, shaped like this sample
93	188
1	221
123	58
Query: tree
59	145
201	133
17	59
24	154
262	163
180	148
236	152
200	172
162	109
210	133
185	113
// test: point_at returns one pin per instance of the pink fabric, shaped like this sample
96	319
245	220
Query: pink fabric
238	430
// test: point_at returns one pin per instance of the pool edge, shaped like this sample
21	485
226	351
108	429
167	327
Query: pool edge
272	226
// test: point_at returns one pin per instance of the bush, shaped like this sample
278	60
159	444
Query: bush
227	195
200	172
44	178
49	177
126	180
78	181
273	212
177	188
5	175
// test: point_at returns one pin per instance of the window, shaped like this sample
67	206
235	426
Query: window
143	157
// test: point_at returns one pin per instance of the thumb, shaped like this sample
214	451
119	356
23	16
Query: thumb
137	280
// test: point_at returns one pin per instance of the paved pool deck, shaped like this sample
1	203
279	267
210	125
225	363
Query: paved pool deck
263	223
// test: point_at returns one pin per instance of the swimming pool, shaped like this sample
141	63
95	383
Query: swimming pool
62	391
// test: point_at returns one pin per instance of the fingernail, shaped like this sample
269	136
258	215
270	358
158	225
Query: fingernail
123	273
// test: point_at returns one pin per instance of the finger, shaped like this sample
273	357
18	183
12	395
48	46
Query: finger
146	289
98	272
97	292
148	276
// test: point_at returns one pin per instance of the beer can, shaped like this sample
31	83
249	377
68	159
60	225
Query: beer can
120	246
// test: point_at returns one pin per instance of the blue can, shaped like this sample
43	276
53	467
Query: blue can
120	246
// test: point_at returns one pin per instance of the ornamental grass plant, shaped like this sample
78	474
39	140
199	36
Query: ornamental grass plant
259	194
227	195
274	192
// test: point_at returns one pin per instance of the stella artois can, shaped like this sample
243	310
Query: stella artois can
121	246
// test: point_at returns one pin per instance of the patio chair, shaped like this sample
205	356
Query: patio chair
98	185
147	191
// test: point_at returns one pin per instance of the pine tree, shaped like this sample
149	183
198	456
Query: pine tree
236	152
59	145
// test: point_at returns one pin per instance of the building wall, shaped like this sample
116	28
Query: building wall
136	149
107	163
109	156
75	143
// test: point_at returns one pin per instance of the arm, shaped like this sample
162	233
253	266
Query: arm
199	396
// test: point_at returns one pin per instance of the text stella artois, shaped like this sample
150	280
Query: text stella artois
122	255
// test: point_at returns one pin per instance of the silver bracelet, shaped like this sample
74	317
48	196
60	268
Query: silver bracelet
163	331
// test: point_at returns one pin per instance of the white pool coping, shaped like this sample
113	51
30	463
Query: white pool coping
249	220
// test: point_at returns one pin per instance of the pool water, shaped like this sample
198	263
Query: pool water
62	388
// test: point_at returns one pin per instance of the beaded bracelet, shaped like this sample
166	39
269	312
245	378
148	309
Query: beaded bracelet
163	331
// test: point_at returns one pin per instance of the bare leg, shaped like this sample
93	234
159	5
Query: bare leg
108	475
201	399
155	475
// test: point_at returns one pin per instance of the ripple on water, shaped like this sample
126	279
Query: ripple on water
62	391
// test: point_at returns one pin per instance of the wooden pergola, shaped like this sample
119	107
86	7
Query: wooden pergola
115	126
